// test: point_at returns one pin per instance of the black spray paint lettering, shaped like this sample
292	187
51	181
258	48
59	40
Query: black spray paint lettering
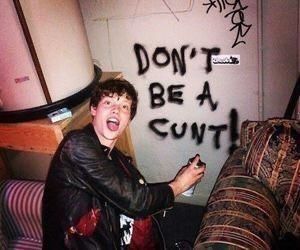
161	57
210	52
218	129
197	132
207	95
175	132
157	98
160	128
196	135
157	92
234	135
237	17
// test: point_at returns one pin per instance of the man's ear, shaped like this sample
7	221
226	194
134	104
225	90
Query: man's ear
93	110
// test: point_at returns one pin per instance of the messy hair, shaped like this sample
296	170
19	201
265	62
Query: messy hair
118	86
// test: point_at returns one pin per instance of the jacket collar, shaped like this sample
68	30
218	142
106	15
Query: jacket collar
89	129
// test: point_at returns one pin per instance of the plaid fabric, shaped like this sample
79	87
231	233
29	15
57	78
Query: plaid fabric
274	159
248	129
20	211
241	212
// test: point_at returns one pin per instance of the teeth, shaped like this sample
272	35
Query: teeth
114	120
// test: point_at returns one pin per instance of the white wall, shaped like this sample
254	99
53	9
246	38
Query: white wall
114	27
268	65
280	54
258	88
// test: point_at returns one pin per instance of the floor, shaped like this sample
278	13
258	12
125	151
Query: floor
181	224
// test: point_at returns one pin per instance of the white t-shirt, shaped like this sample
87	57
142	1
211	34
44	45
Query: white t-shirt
126	229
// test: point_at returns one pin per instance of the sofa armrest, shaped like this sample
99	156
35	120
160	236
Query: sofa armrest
248	130
241	212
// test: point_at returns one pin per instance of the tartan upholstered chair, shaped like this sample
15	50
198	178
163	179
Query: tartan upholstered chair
20	214
255	203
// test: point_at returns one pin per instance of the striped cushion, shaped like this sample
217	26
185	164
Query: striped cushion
25	244
274	159
20	203
241	212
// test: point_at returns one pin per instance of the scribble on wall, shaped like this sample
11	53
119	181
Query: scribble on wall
236	13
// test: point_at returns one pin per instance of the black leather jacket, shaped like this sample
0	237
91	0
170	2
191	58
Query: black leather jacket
81	177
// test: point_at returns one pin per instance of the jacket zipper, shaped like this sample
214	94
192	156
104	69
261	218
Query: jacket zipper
110	225
160	232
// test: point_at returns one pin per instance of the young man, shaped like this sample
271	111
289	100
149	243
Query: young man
94	198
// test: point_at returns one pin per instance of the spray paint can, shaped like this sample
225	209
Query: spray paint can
191	190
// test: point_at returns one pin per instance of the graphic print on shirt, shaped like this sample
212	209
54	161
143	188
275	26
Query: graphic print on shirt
126	229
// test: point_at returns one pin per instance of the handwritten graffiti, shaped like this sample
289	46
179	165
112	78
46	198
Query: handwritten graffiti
162	57
157	92
236	13
234	135
160	95
210	52
160	127
174	95
206	95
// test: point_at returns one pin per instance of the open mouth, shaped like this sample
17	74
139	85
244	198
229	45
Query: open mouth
113	124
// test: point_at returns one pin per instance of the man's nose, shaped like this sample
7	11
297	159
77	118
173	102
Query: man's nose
116	108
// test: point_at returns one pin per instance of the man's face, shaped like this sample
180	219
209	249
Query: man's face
111	117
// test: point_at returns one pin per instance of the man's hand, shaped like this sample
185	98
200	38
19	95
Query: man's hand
188	176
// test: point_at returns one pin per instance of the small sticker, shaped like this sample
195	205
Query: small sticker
225	59
21	79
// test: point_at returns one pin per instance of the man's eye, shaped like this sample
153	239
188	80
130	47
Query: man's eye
126	107
107	102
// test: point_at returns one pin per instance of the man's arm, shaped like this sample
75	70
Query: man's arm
95	173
